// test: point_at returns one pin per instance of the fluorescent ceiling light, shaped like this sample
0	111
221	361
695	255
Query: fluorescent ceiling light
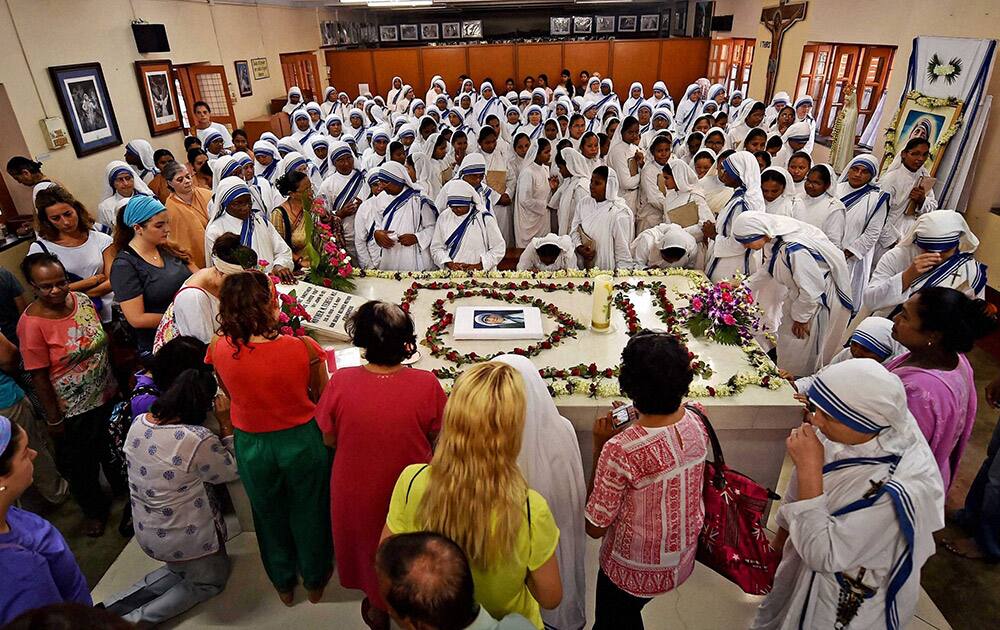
389	4
603	1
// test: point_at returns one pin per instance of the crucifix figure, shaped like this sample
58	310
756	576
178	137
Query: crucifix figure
777	20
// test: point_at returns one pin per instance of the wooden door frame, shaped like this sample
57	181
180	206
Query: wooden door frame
303	56
191	93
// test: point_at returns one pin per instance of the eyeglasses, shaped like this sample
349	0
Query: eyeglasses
49	288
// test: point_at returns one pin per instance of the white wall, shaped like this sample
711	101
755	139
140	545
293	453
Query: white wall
61	32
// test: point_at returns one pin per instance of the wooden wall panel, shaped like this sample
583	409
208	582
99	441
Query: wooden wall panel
448	61
635	60
590	56
492	60
535	59
402	62
348	68
682	62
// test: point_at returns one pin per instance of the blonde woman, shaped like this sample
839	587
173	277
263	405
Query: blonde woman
474	493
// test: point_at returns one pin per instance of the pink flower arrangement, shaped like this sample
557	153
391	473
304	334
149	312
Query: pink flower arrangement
330	266
292	315
723	312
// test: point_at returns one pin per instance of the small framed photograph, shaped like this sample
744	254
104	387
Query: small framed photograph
388	33
583	24
86	107
650	22
560	25
451	30
472	29
626	23
429	31
408	33
605	23
243	77
260	70
159	96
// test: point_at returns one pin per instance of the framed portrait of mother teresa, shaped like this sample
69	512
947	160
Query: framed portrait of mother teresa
86	107
933	119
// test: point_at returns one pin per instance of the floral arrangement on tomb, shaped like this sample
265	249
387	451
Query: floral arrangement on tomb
292	315
723	312
329	264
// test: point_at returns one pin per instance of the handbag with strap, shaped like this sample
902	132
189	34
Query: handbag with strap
733	542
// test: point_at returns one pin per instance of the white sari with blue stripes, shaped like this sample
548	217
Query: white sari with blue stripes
885	290
888	531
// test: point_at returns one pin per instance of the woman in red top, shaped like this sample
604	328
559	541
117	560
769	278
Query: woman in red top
273	381
378	439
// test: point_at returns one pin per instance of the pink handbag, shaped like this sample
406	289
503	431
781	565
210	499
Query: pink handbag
733	542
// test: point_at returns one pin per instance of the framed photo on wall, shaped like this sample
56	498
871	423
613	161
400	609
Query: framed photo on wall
648	23
159	95
451	30
429	31
626	23
472	29
605	23
559	25
243	78
260	70
408	33
583	24
86	107
388	33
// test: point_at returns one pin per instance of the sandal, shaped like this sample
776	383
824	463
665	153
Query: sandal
287	597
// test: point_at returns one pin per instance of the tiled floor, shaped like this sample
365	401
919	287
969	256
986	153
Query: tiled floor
964	591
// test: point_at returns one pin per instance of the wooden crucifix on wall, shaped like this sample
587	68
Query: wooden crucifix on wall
777	20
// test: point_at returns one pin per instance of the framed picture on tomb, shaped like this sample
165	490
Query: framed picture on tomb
159	95
243	77
626	23
451	30
583	24
472	29
429	31
559	26
86	107
408	33
648	23
605	23
388	33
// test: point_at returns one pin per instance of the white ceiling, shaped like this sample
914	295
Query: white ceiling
589	4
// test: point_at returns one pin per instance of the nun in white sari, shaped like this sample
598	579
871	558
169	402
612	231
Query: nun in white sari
687	109
466	235
816	305
531	207
726	255
783	203
608	225
864	500
106	210
682	188
290	105
867	207
872	339
405	214
573	190
825	210
623	155
680	247
938	251
898	180
551	464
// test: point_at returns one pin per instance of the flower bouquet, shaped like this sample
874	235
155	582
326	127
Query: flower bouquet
724	312
329	264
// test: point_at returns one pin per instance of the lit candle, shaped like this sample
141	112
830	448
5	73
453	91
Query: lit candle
600	316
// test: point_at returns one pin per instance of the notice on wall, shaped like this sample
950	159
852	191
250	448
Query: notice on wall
329	309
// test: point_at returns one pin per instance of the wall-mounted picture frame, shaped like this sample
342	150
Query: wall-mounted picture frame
260	71
159	95
626	23
429	31
409	32
604	23
583	24
472	29
451	30
86	107
388	33
649	23
243	77
328	33
560	25
680	20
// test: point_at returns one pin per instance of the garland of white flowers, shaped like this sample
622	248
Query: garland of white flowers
693	276
931	102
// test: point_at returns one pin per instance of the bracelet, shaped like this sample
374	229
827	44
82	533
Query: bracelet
55	424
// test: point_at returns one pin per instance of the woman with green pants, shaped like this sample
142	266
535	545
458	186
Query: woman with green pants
273	381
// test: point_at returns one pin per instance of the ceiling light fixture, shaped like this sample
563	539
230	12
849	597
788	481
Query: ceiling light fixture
393	4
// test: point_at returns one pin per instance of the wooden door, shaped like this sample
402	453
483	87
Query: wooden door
718	60
873	75
738	77
209	84
302	70
843	72
813	71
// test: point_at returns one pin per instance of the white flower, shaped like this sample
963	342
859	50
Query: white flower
944	70
608	388
560	388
